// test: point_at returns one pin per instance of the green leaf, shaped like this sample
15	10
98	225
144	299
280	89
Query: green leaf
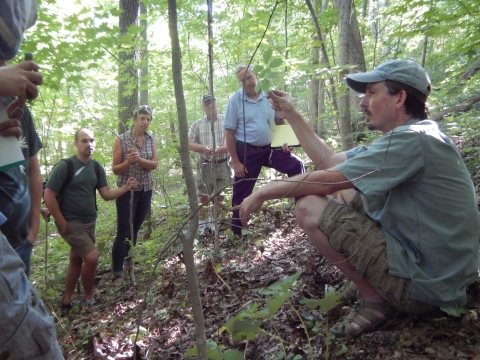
211	345
191	352
213	351
218	267
267	54
282	285
275	63
273	305
343	349
233	355
455	310
326	304
271	75
258	68
264	85
243	329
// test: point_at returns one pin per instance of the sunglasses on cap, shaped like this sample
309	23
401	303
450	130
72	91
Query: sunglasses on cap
141	108
206	98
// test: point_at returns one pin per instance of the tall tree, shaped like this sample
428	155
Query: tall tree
190	182
314	83
345	9
127	73
324	56
357	62
143	55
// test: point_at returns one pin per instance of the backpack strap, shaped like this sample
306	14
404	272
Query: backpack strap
96	165
68	179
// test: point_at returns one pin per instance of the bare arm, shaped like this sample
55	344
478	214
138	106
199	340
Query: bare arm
108	194
119	167
150	164
317	150
36	189
323	182
238	167
54	208
223	146
199	148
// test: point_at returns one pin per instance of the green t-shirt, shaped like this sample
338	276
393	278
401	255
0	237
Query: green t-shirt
415	184
77	201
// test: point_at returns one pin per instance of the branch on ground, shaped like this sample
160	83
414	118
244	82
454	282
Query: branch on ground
462	107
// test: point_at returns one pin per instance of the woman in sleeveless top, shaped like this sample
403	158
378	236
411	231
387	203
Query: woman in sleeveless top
134	155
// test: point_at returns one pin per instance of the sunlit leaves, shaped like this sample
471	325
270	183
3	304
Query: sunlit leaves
264	72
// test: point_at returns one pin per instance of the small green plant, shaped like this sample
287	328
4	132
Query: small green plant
326	304
246	325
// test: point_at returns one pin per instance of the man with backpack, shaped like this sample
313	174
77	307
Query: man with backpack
70	196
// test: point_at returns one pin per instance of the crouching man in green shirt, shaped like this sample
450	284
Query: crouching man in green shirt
75	212
402	223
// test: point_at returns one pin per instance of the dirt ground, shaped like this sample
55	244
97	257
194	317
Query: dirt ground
233	283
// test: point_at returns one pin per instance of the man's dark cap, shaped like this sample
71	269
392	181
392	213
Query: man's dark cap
207	98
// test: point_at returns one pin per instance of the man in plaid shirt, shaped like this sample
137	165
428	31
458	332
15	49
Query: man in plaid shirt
213	171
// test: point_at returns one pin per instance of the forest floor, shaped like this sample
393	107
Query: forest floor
232	283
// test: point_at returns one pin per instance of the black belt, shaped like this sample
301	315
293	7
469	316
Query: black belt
254	146
215	161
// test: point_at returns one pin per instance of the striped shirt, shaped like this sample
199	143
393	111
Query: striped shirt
201	133
144	177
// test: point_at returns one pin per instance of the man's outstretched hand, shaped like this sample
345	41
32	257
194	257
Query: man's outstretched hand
250	204
281	103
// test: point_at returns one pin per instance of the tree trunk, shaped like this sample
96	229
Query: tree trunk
357	61
144	56
127	83
190	182
285	25
344	23
322	89
323	53
314	84
144	96
472	69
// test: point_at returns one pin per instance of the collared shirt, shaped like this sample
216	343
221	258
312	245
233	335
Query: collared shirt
254	126
201	133
414	182
144	177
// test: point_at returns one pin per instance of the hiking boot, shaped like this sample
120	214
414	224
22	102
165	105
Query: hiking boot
118	281
71	305
91	303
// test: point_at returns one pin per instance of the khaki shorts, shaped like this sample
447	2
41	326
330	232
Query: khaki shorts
354	235
81	237
204	178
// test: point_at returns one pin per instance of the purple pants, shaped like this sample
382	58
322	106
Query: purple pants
256	158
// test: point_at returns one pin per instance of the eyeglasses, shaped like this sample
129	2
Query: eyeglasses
248	79
141	108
